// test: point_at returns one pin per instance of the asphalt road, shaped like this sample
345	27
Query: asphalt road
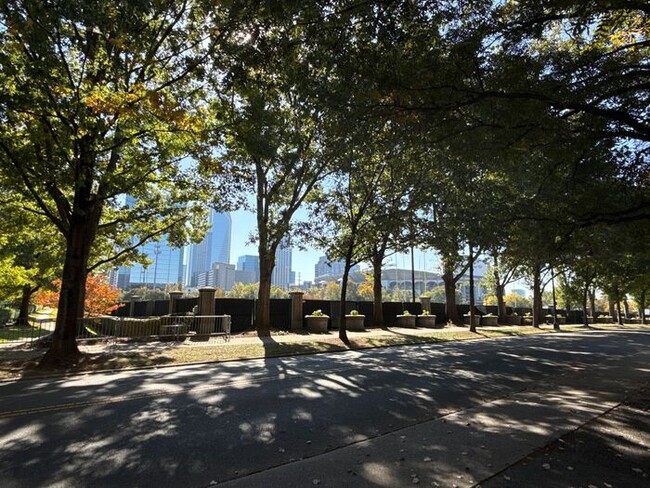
206	424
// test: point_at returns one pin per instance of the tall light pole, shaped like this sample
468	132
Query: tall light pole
556	325
413	272
156	251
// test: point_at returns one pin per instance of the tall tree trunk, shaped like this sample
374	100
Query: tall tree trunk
64	350
501	304
500	290
619	315
537	296
585	300
642	307
25	299
343	330
472	313
450	298
378	309
263	307
612	308
592	302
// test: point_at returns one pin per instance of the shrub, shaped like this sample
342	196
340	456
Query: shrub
406	313
354	312
318	313
426	312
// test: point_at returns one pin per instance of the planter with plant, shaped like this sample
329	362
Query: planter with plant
604	319
489	319
406	320
477	319
514	319
317	321
527	319
426	320
561	319
354	321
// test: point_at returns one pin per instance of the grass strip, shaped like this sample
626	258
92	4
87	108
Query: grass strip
177	355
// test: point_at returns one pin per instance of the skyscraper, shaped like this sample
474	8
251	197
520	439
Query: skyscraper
165	267
325	268
249	263
282	275
214	248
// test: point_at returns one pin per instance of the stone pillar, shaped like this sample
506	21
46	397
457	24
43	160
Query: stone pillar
206	300
134	299
426	303
296	310
173	296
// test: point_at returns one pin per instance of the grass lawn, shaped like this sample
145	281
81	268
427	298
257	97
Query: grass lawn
12	333
176	354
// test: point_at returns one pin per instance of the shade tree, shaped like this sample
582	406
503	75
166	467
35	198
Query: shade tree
100	102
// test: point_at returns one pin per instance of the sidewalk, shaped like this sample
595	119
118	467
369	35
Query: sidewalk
501	442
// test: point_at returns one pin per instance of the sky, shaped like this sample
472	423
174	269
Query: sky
243	225
303	262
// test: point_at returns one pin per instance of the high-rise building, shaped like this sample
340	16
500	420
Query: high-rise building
281	276
331	269
249	263
165	267
519	291
224	276
214	248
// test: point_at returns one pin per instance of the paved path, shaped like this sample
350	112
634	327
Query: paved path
447	414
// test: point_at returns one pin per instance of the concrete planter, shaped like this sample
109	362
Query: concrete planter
131	327
355	322
527	320
514	320
604	320
406	321
477	319
317	323
560	320
631	321
428	321
489	320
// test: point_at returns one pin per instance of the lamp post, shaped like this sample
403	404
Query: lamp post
413	272
556	325
156	251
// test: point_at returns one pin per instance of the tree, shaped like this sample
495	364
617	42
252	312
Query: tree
100	102
497	277
100	297
31	248
349	210
240	290
272	141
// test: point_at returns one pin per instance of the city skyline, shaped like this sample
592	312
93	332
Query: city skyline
229	241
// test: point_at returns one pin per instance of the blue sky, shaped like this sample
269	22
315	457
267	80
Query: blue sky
243	225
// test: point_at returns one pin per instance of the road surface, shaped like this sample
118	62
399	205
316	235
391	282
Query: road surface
383	417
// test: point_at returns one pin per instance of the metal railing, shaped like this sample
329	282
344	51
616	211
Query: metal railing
25	330
166	326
